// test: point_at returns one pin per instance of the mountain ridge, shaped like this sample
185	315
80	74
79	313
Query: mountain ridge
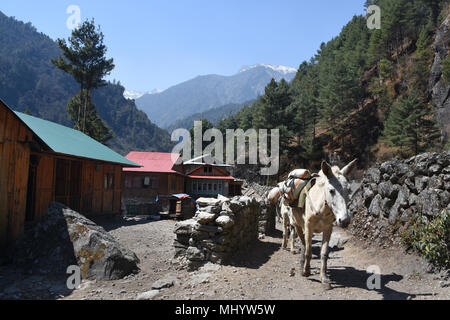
206	92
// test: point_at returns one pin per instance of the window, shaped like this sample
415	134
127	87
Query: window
199	187
220	186
204	187
147	182
207	170
215	186
194	186
209	187
109	181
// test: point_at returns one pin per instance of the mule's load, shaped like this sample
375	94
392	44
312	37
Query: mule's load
293	186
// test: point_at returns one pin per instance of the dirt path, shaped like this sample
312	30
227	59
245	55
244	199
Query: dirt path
264	272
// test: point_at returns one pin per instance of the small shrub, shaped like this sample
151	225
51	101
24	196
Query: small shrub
431	238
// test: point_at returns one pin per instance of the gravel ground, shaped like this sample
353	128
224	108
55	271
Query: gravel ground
265	272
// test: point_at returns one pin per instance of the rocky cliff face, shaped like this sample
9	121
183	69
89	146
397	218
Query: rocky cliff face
439	90
393	192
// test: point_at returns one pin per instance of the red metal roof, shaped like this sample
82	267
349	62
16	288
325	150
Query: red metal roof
213	177
153	162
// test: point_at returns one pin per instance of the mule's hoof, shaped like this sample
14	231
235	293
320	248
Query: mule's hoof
306	273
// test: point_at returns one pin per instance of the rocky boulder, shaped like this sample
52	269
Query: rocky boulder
65	238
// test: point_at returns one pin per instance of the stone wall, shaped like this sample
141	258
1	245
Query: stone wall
393	192
268	214
267	222
220	228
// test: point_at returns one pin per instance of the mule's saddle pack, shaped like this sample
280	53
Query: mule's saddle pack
296	187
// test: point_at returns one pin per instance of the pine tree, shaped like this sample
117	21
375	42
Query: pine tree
95	127
84	58
420	71
410	125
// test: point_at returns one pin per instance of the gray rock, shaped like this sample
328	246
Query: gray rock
207	228
421	183
205	217
222	199
434	169
444	197
410	183
64	238
206	202
402	202
225	222
167	282
195	254
338	240
388	190
149	295
373	175
407	214
435	182
185	227
376	206
200	235
413	199
368	193
429	202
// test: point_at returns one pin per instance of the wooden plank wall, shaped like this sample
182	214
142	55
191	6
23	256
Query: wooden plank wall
44	185
96	199
14	166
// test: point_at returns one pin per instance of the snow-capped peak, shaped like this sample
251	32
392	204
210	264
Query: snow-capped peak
129	94
281	69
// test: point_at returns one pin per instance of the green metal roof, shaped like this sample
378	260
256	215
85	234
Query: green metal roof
72	142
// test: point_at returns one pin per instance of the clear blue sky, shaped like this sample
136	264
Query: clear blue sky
157	44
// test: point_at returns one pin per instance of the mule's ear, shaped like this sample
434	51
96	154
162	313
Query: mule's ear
326	169
348	168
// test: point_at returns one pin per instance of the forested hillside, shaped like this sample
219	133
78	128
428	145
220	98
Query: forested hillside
365	94
28	80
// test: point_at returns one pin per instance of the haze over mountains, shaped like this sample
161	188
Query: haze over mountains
210	91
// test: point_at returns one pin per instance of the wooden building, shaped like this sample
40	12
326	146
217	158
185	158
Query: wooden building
157	176
42	162
205	177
